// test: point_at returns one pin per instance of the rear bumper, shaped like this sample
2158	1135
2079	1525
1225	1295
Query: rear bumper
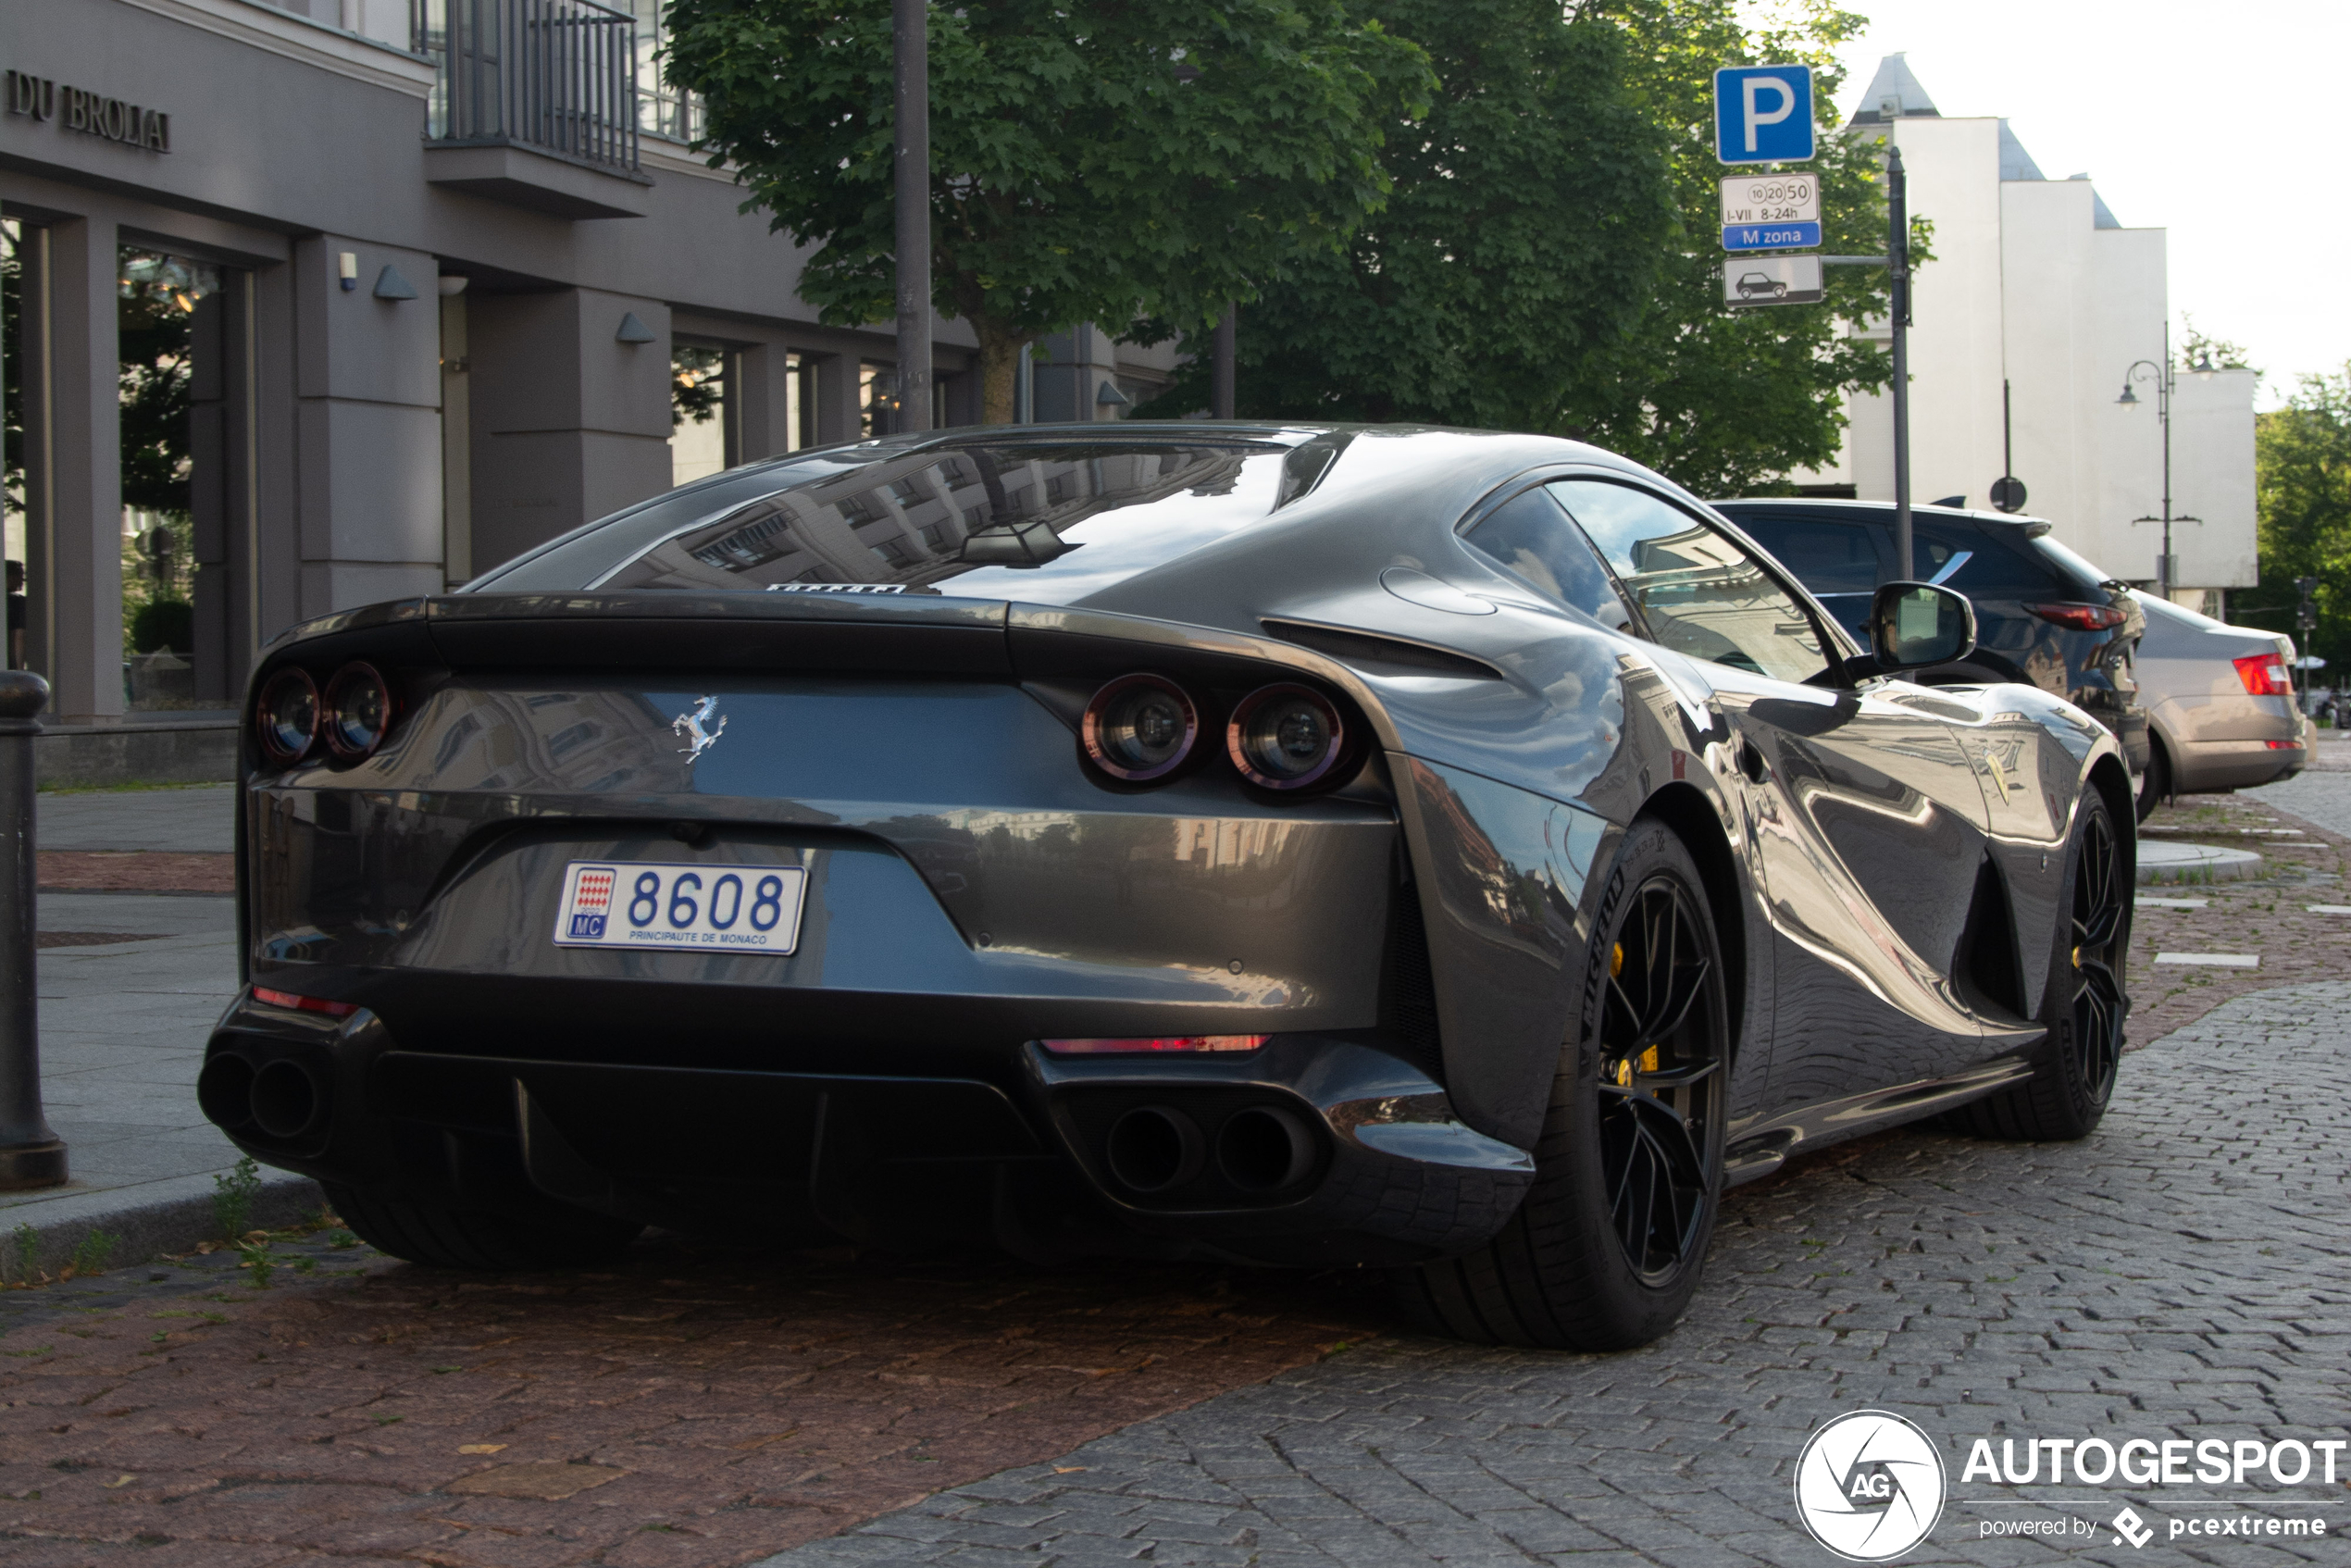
1314	1149
2204	765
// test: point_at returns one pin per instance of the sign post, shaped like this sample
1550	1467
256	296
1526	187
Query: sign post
1898	257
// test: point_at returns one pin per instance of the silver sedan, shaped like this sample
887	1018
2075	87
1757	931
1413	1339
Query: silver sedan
2219	703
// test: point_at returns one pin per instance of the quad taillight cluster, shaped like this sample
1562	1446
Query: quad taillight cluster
351	719
1143	728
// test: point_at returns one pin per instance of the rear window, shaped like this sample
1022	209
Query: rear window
996	519
1827	557
2000	561
2086	580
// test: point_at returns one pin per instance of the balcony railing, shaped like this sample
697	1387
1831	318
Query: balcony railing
558	76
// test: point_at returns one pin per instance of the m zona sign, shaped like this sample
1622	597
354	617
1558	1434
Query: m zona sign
112	119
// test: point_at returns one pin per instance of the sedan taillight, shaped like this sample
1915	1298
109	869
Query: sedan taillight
2082	617
2265	675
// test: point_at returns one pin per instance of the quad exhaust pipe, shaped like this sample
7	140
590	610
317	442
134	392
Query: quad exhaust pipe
1257	1150
281	1100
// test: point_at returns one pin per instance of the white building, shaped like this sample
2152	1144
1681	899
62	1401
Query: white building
2038	293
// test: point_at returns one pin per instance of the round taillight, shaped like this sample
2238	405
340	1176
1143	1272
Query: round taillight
359	711
1285	737
286	719
1139	727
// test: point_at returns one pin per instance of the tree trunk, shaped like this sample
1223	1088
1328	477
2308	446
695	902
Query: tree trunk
1000	351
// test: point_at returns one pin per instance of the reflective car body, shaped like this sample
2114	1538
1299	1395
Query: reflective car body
2219	700
2043	614
870	671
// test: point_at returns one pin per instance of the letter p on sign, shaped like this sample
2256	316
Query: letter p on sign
1763	114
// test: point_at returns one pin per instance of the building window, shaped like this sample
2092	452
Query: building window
671	113
701	418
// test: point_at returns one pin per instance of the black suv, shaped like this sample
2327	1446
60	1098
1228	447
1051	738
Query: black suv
2044	615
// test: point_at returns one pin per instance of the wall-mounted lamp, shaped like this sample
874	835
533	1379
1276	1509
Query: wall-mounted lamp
391	285
347	268
633	330
451	284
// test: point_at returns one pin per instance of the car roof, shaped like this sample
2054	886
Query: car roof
1863	511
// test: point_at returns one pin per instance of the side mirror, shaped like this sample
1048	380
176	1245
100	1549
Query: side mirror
1916	624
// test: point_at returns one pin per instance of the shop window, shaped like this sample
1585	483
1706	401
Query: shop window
702	439
160	300
16	649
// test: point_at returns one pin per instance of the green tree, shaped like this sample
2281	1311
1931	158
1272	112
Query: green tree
2302	488
1549	259
1726	402
1531	209
1091	159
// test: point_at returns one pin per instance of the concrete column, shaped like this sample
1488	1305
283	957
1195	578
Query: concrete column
762	401
1070	377
837	412
569	420
271	546
84	558
367	384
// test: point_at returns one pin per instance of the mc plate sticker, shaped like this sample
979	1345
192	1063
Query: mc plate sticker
637	903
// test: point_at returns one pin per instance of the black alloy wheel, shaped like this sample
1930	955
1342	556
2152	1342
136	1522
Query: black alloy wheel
1607	1248
2101	918
1660	1083
2086	1003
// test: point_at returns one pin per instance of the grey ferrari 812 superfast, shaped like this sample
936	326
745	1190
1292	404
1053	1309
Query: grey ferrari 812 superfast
1459	854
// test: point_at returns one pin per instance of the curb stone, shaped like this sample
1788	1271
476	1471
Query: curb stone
154	1218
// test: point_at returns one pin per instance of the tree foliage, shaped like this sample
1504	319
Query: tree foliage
1727	401
1091	159
1550	258
2302	487
1531	207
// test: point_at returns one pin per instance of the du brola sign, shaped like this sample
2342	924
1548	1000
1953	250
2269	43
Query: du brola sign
95	114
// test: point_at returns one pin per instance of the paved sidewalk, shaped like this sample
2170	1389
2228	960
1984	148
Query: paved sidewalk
2180	1274
123	1024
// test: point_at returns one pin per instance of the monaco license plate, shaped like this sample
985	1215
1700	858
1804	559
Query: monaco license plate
703	908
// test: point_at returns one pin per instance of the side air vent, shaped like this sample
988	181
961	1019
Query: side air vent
1986	966
1371	650
1408	987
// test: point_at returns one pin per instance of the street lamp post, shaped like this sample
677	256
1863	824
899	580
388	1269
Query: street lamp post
2166	380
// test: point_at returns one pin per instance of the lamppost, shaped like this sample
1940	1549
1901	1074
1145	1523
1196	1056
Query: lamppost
2166	380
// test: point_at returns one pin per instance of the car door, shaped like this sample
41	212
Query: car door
1865	825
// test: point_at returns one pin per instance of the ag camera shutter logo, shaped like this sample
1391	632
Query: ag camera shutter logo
1869	1486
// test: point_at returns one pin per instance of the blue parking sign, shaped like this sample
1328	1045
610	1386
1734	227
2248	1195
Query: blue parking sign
1763	114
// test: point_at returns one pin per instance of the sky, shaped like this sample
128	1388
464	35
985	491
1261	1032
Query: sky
2224	123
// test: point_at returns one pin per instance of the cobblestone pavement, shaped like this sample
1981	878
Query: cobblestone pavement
2269	919
2185	1273
694	1406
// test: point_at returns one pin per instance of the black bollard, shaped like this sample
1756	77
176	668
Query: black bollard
30	1155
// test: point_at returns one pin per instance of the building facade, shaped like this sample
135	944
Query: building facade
327	301
2036	306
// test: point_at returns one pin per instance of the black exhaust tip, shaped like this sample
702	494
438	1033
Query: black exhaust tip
1153	1148
1263	1148
285	1099
224	1091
